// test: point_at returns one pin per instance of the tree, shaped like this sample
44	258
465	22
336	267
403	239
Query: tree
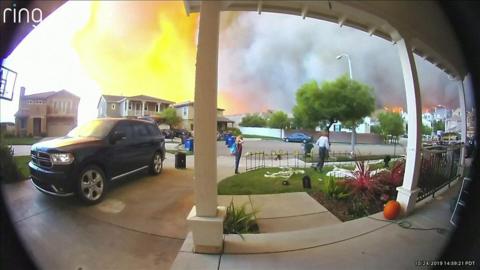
344	100
253	120
278	119
426	130
171	117
391	123
438	125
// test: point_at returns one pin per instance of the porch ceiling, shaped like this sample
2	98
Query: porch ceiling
422	23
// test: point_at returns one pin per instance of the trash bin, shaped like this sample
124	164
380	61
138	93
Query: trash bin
230	141
307	147
189	144
180	158
226	136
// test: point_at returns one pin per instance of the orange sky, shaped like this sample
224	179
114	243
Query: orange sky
132	48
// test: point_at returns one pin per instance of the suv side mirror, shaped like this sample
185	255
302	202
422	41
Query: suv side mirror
116	136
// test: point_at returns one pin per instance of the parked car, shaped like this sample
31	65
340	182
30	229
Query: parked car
147	118
167	133
92	155
298	137
180	133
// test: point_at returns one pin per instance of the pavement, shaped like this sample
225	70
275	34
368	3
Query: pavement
141	225
365	243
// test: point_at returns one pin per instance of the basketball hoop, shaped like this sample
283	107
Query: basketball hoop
8	78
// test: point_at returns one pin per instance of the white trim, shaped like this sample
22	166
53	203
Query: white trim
127	173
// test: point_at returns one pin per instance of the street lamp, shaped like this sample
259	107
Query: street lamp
349	63
354	140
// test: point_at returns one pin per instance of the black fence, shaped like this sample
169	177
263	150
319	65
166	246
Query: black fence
439	168
256	160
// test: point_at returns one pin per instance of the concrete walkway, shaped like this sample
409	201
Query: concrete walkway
366	243
283	212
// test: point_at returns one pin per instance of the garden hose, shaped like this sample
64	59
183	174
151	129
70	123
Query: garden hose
405	224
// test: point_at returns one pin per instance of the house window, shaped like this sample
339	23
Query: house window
129	106
113	106
185	111
30	101
157	108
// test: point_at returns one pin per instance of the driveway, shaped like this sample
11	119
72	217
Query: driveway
140	224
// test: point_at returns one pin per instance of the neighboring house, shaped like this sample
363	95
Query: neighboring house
186	112
49	114
7	128
122	106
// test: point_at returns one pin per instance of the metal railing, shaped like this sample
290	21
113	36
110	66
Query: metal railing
439	168
256	160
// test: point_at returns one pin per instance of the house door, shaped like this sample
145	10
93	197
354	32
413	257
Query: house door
37	126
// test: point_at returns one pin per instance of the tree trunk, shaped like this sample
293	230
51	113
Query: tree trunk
354	139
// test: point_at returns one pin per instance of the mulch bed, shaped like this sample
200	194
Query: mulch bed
340	208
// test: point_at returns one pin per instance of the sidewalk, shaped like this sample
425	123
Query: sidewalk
365	243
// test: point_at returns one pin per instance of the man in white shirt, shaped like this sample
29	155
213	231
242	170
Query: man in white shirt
323	147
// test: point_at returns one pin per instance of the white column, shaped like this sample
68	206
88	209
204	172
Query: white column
463	117
206	219
143	109
407	193
126	107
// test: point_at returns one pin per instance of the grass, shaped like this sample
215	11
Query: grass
22	165
262	137
20	140
254	182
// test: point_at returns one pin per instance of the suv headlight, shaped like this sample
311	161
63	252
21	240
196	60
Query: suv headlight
62	158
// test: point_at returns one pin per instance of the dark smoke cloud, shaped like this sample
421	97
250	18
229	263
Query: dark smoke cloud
265	58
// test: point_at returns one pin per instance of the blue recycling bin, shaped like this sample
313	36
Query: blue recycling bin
230	141
189	144
226	136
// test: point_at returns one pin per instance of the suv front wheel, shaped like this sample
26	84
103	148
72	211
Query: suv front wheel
156	165
91	185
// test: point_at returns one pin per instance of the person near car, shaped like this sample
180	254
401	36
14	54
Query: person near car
238	153
323	148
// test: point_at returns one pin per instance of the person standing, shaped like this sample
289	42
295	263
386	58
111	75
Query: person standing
238	152
323	147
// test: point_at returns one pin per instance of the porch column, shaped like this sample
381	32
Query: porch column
143	109
407	193
206	219
463	117
126	107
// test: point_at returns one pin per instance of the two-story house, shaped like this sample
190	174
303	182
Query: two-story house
186	112
49	114
122	106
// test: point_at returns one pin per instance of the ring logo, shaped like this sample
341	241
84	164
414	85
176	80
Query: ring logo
25	15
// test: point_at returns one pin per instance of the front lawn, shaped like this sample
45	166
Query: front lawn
254	182
22	165
20	140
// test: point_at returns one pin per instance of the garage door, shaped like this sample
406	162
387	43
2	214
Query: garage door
59	127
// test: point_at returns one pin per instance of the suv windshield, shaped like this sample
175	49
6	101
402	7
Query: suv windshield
96	128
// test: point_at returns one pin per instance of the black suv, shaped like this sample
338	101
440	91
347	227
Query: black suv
93	154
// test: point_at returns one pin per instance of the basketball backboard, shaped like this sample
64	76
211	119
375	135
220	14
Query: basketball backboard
8	78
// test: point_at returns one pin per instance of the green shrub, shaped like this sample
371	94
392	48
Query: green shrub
234	131
334	189
239	221
8	168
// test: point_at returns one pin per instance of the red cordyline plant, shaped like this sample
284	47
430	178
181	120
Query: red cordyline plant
364	185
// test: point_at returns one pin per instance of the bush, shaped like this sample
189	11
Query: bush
364	185
238	221
234	131
8	168
335	189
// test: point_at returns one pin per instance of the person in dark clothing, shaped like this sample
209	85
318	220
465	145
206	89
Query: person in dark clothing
238	153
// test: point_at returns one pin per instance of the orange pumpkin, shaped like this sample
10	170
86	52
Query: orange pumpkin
391	209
